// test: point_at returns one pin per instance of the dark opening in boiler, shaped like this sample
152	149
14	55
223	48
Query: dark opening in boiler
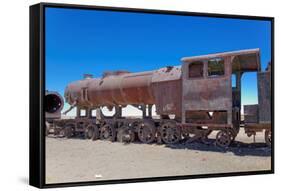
52	103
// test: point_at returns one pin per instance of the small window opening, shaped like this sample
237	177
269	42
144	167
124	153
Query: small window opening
195	70
215	67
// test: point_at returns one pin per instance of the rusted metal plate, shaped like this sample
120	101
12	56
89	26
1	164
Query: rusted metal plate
206	93
257	126
251	113
136	88
115	88
166	86
168	73
210	125
205	117
167	97
73	91
124	88
264	96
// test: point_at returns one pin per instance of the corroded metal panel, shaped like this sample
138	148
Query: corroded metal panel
124	88
204	117
206	93
115	88
168	97
264	96
251	113
136	88
166	86
168	73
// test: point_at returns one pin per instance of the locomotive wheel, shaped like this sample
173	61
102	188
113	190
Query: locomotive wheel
108	132
267	136
92	132
125	134
147	132
68	131
170	133
223	139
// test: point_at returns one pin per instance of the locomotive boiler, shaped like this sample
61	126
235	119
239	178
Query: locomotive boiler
191	101
121	88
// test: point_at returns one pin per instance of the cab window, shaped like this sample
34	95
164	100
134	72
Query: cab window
216	67
195	70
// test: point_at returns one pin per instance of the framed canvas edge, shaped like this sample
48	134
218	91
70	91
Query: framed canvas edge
37	88
35	97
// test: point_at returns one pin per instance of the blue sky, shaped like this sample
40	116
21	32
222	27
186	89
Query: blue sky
88	41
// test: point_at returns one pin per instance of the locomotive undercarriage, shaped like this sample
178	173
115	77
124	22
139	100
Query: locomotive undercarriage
148	131
145	130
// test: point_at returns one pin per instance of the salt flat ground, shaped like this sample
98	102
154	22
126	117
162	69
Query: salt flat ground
78	160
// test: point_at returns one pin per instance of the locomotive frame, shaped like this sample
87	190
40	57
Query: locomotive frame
38	105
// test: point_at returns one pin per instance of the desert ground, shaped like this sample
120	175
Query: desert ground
78	160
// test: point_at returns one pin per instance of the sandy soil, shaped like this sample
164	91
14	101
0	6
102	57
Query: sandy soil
76	160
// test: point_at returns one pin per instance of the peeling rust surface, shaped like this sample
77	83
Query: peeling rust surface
206	93
251	113
264	96
168	97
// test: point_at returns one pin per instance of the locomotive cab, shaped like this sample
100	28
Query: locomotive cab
209	97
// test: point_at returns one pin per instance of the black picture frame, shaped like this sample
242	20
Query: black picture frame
37	92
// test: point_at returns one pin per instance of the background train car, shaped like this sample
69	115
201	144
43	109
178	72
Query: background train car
258	116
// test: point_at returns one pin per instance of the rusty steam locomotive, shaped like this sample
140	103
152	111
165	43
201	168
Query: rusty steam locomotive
192	100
